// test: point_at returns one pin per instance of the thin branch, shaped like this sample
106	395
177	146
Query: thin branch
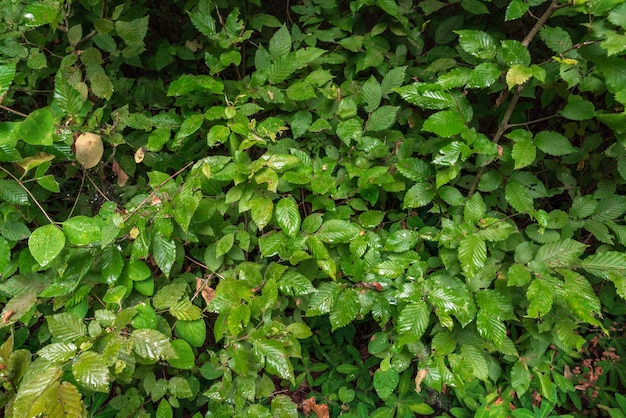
80	189
530	122
30	195
156	189
8	109
504	123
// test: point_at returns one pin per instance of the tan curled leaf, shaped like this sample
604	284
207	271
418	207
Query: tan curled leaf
419	377
310	405
207	292
139	154
122	177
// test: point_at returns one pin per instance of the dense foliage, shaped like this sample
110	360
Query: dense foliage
372	208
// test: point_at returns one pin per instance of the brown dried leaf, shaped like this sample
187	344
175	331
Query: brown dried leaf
419	377
122	177
207	292
139	154
310	405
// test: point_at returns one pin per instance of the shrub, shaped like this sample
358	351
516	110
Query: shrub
367	208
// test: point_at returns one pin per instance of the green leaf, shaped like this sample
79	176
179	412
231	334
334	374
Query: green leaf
280	43
151	344
189	126
7	75
412	322
294	284
385	382
393	79
518	196
345	310
12	192
524	153
164	410
184	310
472	254
476	43
553	143
45	243
581	298
557	39
261	209
66	327
276	357
37	128
446	123
401	240
337	231
164	252
382	118
82	230
288	216
474	209
194	332
58	352
614	43
579	110
490	328
67	97
520	378
185	358
371	94
427	96
134	31
41	13
563	253
483	75
224	245
91	372
477	361
168	295
179	387
514	52
420	194
516	9
540	296
603	263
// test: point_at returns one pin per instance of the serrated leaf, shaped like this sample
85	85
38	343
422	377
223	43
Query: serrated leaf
514	52
224	244
472	254
57	352
168	295
414	169
371	94
540	296
261	209
490	328
164	410
276	357
475	358
345	309
420	194
483	75
382	118
412	322
164	252
553	143
280	43
427	96
90	371
603	263
67	97
184	310
518	75
288	216
614	43
518	196
557	39
151	344
393	79
563	253
579	110
179	387
477	43
401	240
189	126
13	193
7	75
294	284
474	208
520	378
581	298
446	123
337	231
385	382
524	153
134	31
66	327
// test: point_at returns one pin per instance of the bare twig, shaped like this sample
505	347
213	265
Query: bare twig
30	195
504	123
8	109
80	189
156	189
